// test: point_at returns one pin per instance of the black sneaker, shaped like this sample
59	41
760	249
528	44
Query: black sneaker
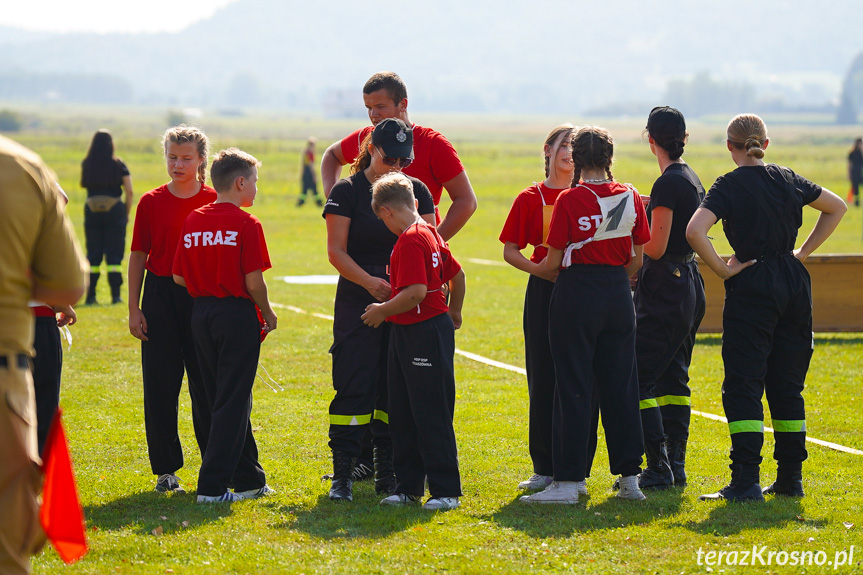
169	482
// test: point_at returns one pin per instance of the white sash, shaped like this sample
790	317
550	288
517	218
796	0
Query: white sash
618	219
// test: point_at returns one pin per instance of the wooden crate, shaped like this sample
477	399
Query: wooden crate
837	294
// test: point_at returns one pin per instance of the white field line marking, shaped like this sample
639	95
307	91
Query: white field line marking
486	262
522	371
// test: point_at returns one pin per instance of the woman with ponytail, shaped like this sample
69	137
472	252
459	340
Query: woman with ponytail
596	233
163	322
528	223
669	305
767	337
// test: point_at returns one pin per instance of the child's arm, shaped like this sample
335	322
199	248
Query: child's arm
408	298
258	290
457	288
636	262
137	321
513	256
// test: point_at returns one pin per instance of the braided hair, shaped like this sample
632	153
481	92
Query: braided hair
592	147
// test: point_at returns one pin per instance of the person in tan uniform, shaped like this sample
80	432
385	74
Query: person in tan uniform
41	260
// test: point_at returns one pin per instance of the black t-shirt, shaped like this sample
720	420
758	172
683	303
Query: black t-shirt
115	189
761	208
369	240
856	159
679	190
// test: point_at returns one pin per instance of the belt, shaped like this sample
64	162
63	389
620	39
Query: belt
21	359
678	259
773	256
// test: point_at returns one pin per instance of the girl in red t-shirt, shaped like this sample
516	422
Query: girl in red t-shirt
528	223
163	320
596	233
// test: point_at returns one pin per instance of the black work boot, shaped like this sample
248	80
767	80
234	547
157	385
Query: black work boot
115	280
657	474
789	481
743	487
342	488
91	289
385	477
676	448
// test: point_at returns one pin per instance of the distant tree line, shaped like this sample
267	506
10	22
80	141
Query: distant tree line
93	88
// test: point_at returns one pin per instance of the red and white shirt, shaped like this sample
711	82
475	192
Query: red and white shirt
219	245
158	221
577	216
421	256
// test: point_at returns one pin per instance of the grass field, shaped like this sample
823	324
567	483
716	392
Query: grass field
298	530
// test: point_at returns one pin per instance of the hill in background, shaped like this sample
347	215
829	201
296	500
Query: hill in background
456	56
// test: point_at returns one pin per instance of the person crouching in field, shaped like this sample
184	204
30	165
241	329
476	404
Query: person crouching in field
596	233
220	259
420	373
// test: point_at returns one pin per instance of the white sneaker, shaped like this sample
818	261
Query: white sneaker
441	503
582	487
561	492
226	497
255	493
400	499
629	489
536	482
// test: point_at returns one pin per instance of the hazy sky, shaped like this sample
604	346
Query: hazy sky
107	16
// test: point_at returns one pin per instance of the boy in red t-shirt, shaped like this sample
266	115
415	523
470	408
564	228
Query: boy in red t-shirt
220	259
420	373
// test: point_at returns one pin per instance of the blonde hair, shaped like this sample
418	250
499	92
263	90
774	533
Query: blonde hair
565	130
184	134
230	164
748	132
393	189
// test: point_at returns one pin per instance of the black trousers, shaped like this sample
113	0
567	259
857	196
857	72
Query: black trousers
309	184
541	379
169	352
359	371
47	369
592	334
767	344
106	236
421	381
228	341
669	306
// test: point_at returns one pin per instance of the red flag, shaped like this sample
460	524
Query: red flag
850	195
61	515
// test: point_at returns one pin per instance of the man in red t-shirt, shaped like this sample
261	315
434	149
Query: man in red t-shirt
436	163
420	374
220	259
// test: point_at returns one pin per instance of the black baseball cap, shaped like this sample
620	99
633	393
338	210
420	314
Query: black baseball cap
394	137
666	123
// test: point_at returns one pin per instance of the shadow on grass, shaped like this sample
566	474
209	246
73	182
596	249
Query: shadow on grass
144	512
361	518
731	518
543	520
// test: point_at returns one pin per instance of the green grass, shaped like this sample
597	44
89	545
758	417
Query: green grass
299	531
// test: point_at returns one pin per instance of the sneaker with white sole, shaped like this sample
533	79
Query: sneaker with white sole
560	492
536	482
255	493
168	482
441	503
400	499
226	497
629	488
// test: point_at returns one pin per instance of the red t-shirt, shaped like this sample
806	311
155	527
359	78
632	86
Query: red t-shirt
158	221
219	245
524	223
435	159
420	256
572	222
